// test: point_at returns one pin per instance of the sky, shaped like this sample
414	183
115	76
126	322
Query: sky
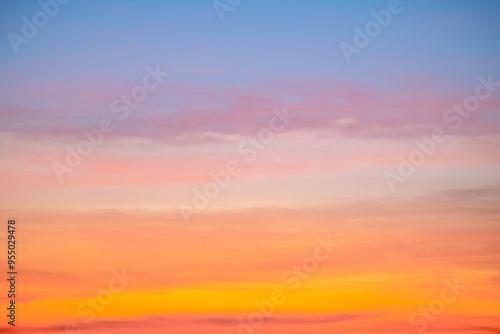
186	167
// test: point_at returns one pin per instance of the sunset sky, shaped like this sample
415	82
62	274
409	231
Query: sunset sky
172	164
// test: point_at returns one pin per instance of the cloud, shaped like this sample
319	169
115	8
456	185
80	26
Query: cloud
182	321
474	193
180	112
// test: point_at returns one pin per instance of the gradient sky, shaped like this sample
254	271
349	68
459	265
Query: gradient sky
322	175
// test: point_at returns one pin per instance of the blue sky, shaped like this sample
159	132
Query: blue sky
258	41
